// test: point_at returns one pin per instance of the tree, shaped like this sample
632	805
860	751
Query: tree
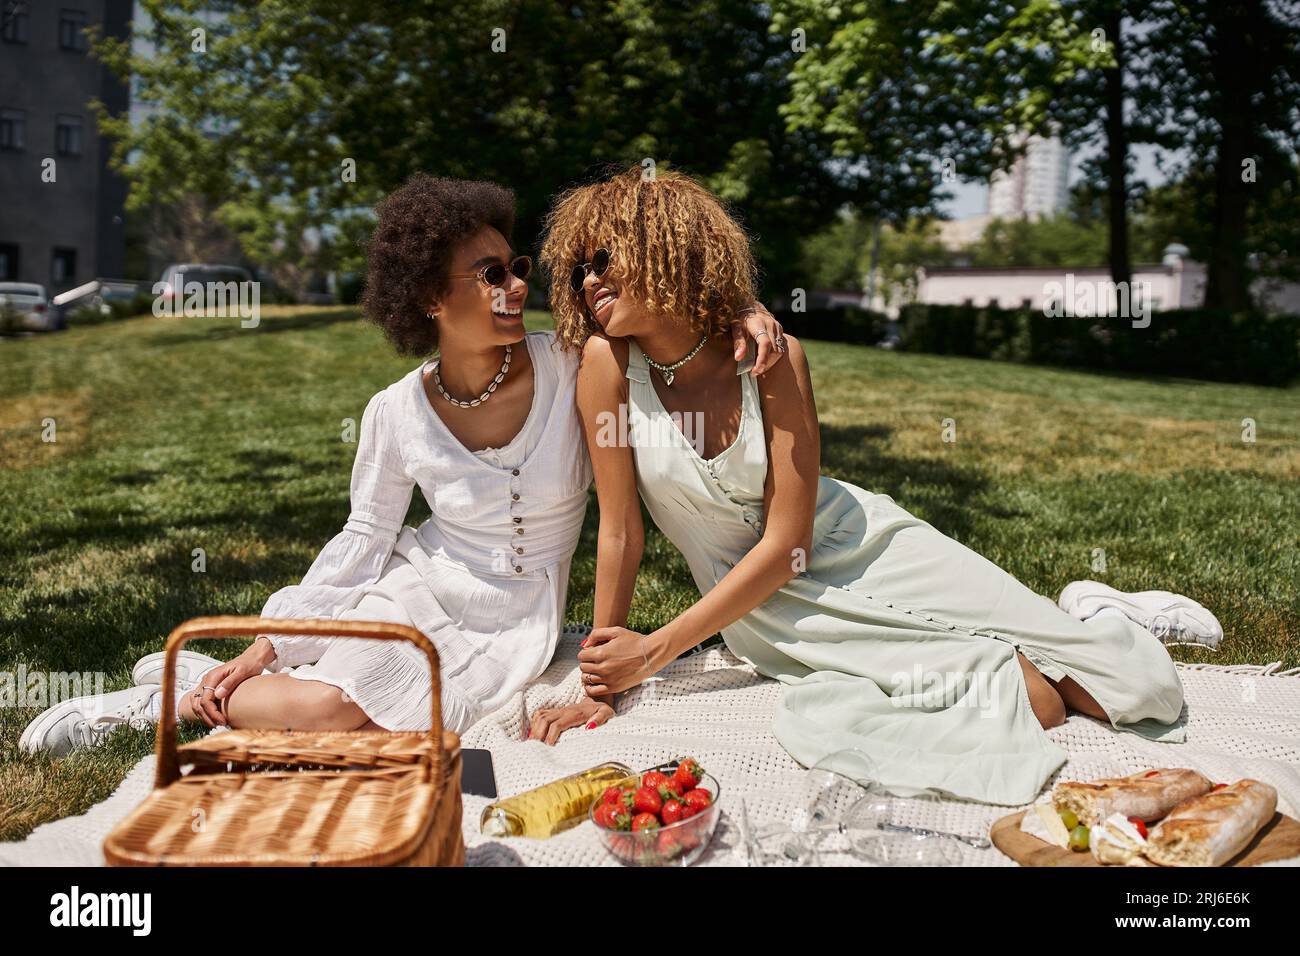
1214	81
1065	69
914	95
292	120
1228	72
1058	240
899	111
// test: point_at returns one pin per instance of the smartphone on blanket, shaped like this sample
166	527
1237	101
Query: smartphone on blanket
476	776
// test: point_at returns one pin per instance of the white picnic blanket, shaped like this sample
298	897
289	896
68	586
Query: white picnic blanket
1244	721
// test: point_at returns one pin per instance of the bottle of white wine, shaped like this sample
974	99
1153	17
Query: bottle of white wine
552	807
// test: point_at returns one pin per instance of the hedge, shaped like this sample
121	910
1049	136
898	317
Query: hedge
843	324
1193	343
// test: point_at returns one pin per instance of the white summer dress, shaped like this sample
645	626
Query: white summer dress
484	577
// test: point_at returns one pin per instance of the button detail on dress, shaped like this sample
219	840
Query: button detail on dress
516	519
515	496
518	569
515	471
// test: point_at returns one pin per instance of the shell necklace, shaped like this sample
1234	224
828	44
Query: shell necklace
500	376
667	370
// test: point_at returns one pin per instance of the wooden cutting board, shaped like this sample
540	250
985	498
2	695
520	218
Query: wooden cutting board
1278	840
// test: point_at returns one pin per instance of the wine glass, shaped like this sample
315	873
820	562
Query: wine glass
827	792
882	828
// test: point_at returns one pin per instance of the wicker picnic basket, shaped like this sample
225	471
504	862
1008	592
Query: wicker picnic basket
297	798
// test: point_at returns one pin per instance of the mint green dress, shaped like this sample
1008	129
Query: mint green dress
895	640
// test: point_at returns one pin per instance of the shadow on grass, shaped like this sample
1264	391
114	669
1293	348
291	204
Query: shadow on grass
253	550
230	326
136	479
944	495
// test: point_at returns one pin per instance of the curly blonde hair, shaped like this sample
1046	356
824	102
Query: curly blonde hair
673	245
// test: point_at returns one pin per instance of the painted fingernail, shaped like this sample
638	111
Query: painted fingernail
591	725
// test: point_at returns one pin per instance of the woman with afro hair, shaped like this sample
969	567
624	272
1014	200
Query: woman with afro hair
489	433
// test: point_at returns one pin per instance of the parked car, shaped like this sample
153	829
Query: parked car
187	272
25	306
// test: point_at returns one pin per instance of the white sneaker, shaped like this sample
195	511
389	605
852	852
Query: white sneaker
190	666
86	721
1172	618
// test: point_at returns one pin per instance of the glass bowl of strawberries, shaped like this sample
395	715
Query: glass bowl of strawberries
661	817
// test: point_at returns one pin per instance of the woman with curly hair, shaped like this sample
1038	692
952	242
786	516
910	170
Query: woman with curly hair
890	638
489	433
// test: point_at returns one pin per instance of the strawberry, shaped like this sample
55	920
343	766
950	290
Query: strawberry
612	795
645	821
611	817
654	779
624	846
672	812
700	799
688	774
669	843
647	800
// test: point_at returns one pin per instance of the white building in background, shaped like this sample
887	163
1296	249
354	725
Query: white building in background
1175	283
1038	184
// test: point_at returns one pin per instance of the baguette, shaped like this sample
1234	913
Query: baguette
1148	795
1211	829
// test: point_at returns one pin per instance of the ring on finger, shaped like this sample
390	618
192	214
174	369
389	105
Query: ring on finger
763	332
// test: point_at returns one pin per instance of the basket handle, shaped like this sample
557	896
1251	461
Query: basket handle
227	626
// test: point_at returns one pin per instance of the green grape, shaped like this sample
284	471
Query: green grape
1079	838
1070	819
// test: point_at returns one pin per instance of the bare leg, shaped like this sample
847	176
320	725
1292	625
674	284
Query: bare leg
1046	702
1076	698
281	702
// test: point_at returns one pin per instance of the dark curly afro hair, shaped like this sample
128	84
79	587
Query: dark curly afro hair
420	225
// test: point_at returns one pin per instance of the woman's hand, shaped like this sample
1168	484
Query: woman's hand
758	324
613	659
207	700
548	723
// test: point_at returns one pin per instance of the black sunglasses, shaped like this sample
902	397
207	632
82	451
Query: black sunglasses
598	265
495	274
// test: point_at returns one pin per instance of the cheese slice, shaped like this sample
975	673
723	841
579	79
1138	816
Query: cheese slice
1117	833
1042	821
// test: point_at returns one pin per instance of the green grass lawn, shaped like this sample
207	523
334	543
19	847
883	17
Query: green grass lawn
176	434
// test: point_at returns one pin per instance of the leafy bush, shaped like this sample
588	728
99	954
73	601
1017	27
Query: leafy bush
843	324
1191	343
